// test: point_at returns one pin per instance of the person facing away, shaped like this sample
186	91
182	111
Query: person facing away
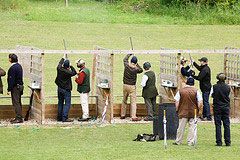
129	86
149	91
204	77
15	87
83	87
187	100
64	82
221	109
2	73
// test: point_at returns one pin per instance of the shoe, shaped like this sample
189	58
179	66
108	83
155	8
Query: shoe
136	119
228	144
59	120
209	119
83	119
218	144
68	120
122	117
203	118
148	119
16	121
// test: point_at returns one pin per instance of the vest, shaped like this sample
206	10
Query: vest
188	102
85	87
150	90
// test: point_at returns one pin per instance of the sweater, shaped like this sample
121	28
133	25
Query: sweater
15	76
130	71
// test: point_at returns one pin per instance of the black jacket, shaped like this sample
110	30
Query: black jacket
204	77
64	75
15	76
220	95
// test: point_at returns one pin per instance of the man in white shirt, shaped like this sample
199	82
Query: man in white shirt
149	91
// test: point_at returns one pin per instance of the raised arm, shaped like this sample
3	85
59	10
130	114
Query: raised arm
125	60
197	66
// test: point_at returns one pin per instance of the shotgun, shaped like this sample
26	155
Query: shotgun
30	105
130	38
65	48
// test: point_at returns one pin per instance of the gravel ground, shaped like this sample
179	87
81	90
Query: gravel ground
90	123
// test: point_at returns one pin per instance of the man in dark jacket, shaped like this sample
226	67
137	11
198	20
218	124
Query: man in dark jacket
221	109
2	73
83	81
131	69
15	86
149	91
64	83
204	77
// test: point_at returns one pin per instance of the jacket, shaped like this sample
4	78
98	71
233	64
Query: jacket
130	72
221	92
15	76
204	77
63	79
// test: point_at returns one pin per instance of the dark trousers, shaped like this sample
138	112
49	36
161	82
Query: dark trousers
151	106
222	115
206	106
16	94
63	109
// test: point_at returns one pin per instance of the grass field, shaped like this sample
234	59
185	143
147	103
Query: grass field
110	142
85	26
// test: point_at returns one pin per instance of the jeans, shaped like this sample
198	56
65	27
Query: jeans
222	115
206	106
63	109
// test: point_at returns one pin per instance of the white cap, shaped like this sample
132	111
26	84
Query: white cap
80	62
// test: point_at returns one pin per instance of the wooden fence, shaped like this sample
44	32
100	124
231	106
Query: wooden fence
232	71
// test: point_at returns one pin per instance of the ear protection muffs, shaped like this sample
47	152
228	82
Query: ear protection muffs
221	76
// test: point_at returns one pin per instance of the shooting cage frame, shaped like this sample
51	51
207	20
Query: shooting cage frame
103	63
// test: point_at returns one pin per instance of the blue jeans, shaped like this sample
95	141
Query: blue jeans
63	109
206	106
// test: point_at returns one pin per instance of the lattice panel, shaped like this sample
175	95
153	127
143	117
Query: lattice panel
169	68
233	66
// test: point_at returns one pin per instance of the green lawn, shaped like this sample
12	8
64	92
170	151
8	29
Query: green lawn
110	142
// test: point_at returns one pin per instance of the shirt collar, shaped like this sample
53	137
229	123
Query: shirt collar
13	63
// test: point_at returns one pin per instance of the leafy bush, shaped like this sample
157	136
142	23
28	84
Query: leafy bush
13	4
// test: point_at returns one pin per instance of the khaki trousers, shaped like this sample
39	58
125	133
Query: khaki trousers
192	138
84	104
129	90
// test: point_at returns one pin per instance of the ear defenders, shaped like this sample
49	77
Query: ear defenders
221	77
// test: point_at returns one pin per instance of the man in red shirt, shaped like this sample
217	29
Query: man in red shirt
83	81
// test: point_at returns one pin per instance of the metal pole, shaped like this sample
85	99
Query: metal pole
165	128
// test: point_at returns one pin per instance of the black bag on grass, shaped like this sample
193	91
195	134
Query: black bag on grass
147	137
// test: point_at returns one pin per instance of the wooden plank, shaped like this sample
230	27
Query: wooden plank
196	51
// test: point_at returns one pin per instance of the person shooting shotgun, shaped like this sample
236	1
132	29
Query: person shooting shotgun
187	100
